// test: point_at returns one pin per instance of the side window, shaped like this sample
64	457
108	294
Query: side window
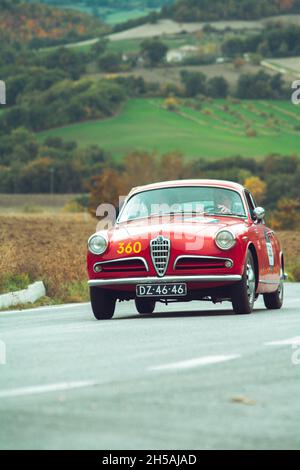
251	203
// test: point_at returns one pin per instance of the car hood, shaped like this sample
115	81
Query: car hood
188	225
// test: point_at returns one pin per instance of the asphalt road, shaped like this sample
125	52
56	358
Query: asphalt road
192	376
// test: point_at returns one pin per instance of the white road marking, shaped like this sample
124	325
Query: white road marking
39	389
284	342
196	362
51	308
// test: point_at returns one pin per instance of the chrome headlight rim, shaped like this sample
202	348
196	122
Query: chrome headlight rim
228	247
99	251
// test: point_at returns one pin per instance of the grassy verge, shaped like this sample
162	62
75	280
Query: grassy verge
49	248
13	282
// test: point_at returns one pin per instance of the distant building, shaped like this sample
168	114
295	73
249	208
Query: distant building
178	55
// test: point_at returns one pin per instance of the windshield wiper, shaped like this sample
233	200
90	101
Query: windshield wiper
181	212
227	214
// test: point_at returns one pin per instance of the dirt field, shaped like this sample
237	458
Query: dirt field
291	246
288	64
287	19
165	27
51	248
172	74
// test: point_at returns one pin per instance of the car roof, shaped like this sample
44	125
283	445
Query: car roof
191	182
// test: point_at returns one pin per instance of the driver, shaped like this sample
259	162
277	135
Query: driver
223	202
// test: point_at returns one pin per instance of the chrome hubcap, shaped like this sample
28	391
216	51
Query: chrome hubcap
250	282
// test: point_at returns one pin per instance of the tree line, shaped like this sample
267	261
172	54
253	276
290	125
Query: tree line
41	25
28	166
272	180
279	41
207	10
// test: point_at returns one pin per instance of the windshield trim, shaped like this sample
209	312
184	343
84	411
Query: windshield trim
246	216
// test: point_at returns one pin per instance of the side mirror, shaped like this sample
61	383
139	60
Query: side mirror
259	213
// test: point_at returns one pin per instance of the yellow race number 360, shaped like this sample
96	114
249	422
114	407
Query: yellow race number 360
129	248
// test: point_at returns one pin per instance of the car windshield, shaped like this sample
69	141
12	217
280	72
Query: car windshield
183	200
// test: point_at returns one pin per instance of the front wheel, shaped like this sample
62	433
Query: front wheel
274	301
103	303
145	306
243	293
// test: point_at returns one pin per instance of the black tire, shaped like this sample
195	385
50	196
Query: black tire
274	301
145	306
103	303
243	293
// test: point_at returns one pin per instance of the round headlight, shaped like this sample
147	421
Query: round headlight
225	240
97	244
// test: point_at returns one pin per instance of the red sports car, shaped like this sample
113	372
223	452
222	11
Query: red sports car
182	241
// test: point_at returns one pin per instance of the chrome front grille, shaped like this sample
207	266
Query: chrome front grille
160	254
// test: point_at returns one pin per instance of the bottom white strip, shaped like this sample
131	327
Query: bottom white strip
38	389
196	362
284	342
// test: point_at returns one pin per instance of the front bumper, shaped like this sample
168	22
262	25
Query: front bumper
163	280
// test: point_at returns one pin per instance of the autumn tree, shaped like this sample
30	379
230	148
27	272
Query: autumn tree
140	168
287	214
105	188
257	187
239	63
171	103
286	4
172	167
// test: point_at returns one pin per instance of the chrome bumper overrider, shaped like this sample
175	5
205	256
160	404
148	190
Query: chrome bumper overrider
162	280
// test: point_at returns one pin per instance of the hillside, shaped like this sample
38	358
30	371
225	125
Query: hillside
34	23
220	129
207	10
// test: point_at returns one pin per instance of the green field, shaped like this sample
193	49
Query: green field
111	16
121	16
213	132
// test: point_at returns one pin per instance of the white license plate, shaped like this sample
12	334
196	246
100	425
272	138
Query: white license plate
161	290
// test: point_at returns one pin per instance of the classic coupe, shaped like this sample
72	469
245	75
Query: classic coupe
187	240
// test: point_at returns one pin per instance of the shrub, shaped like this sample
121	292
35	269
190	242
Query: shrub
32	209
251	133
171	104
14	282
73	207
